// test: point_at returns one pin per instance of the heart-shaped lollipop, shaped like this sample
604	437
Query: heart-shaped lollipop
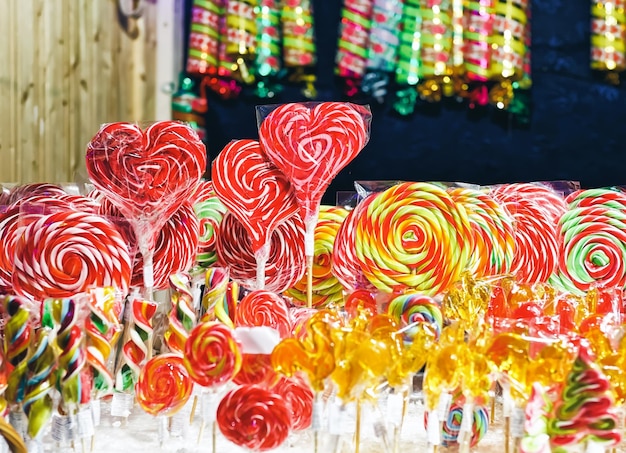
253	189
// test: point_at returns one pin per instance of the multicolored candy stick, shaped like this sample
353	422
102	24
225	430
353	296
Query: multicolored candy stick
210	212
138	347
299	51
268	62
477	36
204	36
608	35
407	72
215	287
310	144
351	57
436	38
251	187
241	36
182	316
508	39
18	334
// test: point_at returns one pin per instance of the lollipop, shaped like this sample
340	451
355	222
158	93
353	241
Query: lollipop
264	308
412	310
18	334
256	369
147	175
182	316
210	211
413	235
285	265
299	397
452	424
254	418
256	192
164	386
25	191
212	355
310	145
492	228
326	288
215	287
66	253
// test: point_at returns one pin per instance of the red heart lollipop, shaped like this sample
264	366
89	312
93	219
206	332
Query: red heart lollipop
256	192
311	144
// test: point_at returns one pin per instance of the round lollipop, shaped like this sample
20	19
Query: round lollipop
310	145
264	308
285	265
66	253
254	417
164	386
415	309
256	192
299	397
147	175
413	235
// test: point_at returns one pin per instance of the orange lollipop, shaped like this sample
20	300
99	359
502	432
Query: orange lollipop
164	386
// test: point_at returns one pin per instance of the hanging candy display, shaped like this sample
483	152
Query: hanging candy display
608	37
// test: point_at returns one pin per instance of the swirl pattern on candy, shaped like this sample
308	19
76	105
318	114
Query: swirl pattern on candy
182	317
492	228
66	253
285	265
413	235
253	417
264	308
326	288
253	189
311	144
164	386
299	397
212	355
210	212
256	369
413	310
452	424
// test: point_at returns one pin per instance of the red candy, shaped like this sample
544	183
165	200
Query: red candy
311	144
164	386
254	417
256	369
66	253
285	265
299	397
264	308
253	189
212	355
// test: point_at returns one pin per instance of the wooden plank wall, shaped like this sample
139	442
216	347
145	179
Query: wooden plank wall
67	66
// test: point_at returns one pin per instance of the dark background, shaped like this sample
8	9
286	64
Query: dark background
577	129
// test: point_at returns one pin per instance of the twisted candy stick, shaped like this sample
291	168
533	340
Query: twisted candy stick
137	350
414	309
210	211
212	355
215	287
326	288
18	332
492	229
102	328
39	384
452	424
70	342
413	235
182	317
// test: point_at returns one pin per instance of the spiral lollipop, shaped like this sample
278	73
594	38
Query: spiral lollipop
210	211
66	253
25	191
37	401
493	235
70	342
264	308
552	204
254	418
285	265
212	355
299	397
137	349
609	198
182	317
326	288
414	310
413	235
102	328
163	386
175	248
256	369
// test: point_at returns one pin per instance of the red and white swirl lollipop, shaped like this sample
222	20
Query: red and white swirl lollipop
254	417
264	308
146	174
285	265
65	253
253	189
299	396
310	145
